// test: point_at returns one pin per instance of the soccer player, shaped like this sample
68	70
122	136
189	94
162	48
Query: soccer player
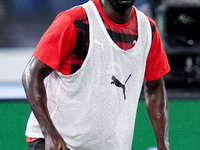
84	79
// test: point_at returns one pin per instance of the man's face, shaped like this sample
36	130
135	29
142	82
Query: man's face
121	5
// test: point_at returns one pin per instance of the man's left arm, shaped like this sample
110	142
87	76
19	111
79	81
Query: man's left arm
157	108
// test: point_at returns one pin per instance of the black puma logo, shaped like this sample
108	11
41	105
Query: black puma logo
119	84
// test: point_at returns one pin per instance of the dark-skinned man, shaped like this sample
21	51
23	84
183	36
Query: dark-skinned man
84	79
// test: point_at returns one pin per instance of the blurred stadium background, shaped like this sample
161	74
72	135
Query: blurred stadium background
23	22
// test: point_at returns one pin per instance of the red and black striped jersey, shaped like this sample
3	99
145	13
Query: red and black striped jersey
64	46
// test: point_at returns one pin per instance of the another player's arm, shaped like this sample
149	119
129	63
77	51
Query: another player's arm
32	79
157	108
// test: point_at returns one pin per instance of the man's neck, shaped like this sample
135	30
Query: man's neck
118	17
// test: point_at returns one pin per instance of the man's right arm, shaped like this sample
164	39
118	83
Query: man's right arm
33	82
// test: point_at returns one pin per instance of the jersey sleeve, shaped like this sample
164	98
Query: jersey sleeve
57	42
157	63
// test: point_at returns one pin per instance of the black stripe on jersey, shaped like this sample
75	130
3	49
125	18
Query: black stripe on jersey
74	68
123	38
153	30
82	40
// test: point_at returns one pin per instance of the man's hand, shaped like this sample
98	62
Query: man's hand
55	142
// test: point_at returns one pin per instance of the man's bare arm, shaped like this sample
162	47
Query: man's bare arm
157	108
32	79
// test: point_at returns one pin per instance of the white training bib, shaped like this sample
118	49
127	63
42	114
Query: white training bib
95	108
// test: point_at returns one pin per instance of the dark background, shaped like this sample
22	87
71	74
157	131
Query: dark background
23	22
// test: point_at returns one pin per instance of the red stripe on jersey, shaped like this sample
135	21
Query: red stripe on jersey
125	46
131	29
86	22
77	60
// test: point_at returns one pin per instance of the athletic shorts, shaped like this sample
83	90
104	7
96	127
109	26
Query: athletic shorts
38	144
